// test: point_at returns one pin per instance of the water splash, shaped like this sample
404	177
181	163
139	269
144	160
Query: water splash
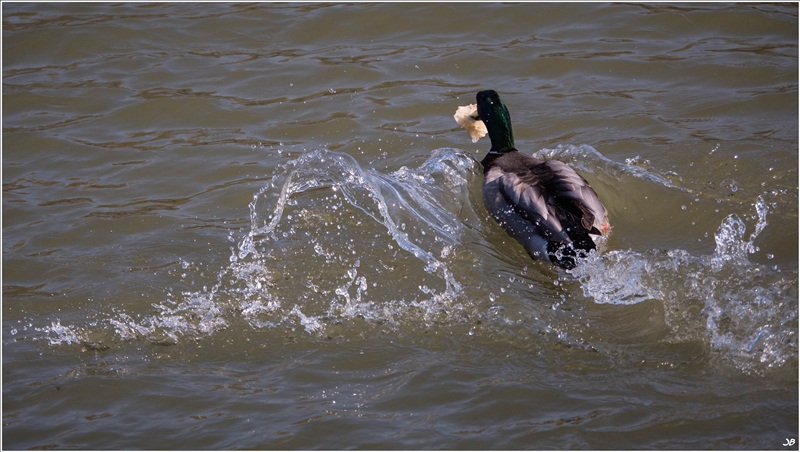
334	248
315	256
60	334
745	311
585	158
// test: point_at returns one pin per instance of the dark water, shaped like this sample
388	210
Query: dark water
257	226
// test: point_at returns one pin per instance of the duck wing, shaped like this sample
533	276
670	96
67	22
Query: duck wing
574	202
554	198
524	193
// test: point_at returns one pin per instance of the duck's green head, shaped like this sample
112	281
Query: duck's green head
494	114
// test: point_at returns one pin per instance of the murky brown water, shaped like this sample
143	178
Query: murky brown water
257	226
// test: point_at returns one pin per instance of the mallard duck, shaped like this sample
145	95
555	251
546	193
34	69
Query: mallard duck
544	204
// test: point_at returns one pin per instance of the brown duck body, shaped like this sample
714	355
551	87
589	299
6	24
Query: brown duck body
544	204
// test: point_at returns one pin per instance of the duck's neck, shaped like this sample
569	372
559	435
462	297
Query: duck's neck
500	133
497	120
